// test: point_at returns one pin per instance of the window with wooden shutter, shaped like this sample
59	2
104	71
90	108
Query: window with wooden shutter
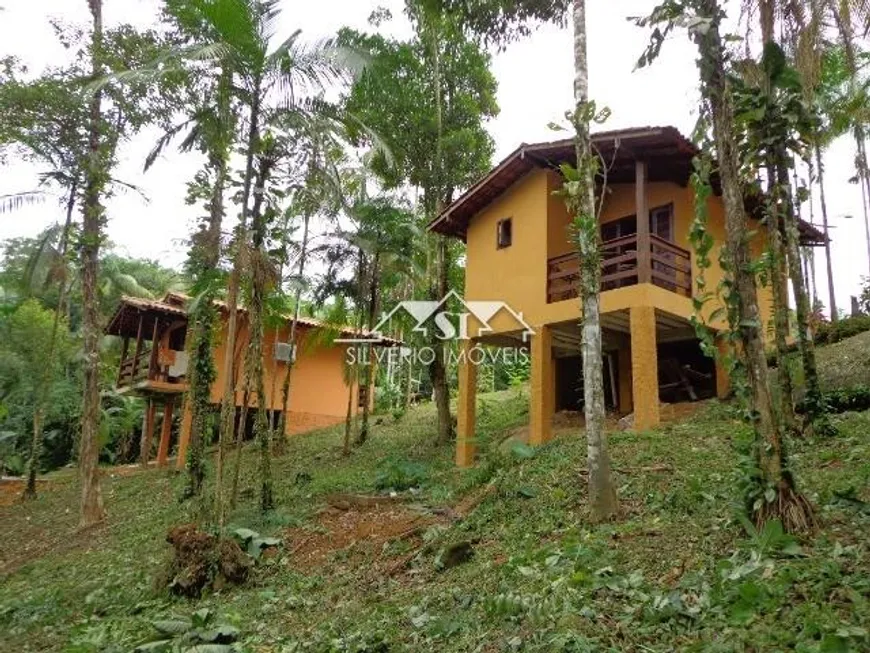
504	233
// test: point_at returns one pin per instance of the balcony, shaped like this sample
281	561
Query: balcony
624	264
152	336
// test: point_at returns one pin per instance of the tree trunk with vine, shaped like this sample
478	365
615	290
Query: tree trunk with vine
779	293
369	374
581	201
204	261
96	177
205	257
261	273
786	503
813	401
285	387
228	398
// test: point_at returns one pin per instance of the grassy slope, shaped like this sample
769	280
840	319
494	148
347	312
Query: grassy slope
846	363
676	571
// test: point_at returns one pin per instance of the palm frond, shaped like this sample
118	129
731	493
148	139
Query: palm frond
163	142
43	258
309	68
15	201
235	24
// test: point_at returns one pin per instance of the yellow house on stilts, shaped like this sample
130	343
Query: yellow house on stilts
154	366
520	251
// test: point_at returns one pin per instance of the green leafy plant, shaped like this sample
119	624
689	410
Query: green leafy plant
400	475
199	634
253	542
847	327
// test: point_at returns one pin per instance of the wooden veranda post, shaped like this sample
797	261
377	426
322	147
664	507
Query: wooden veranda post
644	255
155	348
125	349
165	431
137	349
148	432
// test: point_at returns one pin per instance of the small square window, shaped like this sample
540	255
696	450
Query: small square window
504	235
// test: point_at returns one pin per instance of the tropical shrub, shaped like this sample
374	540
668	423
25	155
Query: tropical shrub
400	475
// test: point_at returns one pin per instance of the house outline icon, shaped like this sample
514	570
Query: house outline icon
424	310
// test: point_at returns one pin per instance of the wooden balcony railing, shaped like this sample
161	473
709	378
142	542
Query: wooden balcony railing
669	267
135	369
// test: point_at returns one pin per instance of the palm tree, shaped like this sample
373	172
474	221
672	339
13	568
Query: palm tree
843	12
786	504
386	236
269	76
47	377
95	179
579	191
834	120
319	192
267	81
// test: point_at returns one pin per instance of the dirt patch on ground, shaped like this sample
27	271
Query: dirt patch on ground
361	530
384	531
11	489
680	411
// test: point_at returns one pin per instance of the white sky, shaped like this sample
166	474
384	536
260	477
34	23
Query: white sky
535	88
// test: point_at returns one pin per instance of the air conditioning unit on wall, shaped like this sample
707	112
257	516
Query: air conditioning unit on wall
285	352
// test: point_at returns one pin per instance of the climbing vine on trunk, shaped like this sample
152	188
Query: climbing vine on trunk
579	193
772	494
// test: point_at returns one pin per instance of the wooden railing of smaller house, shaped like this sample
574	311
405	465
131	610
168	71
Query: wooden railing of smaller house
134	369
667	266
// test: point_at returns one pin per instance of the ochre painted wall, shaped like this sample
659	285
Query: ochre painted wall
517	274
318	392
541	230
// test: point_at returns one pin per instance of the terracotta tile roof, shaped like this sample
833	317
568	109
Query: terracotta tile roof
152	305
668	153
175	299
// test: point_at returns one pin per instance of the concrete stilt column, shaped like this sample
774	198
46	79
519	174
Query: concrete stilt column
542	399
165	431
644	368
623	361
184	435
466	412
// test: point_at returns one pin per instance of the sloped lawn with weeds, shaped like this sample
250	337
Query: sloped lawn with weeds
678	570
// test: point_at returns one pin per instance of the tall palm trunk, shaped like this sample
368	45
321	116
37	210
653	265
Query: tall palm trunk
261	273
793	510
205	256
240	437
96	177
779	263
202	367
350	419
779	288
297	299
368	376
602	494
228	397
48	373
813	401
832	298
434	199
